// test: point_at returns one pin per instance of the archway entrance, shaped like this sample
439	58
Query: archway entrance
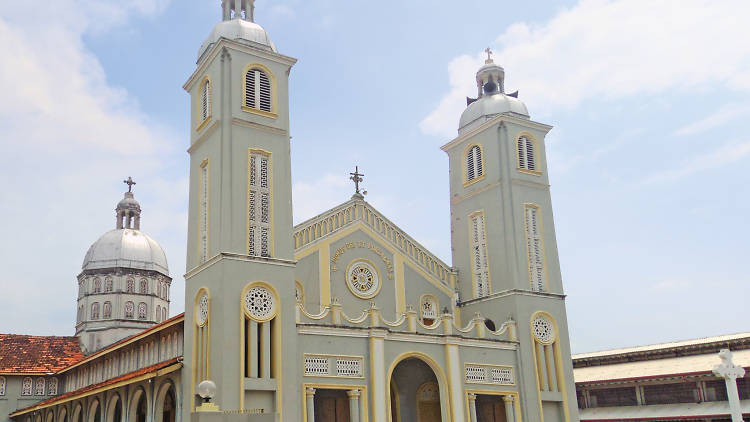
139	408
168	410
415	392
331	406
95	412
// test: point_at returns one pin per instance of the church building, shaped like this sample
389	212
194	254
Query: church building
343	317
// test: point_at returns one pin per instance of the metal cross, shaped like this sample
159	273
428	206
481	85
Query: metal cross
489	54
356	177
130	183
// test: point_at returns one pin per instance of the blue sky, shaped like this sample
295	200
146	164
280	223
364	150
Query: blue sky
648	157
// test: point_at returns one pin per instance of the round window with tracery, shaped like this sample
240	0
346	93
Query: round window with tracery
362	279
543	329
202	314
260	303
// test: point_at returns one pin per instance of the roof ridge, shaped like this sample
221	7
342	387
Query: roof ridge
665	345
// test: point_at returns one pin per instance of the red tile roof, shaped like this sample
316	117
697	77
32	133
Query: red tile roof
130	375
22	354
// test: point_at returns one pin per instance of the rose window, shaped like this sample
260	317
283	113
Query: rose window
260	303
543	329
362	279
202	314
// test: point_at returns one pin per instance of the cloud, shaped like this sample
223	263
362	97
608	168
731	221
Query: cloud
316	196
73	136
725	154
724	115
611	50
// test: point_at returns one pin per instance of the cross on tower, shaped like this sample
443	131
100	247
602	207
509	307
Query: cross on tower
489	54
356	177
130	183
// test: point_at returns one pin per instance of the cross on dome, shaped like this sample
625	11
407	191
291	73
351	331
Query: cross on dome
130	183
489	55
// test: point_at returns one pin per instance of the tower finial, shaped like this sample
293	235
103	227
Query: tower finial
489	55
356	177
130	183
238	6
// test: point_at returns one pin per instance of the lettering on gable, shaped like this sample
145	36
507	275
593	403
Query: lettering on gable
364	245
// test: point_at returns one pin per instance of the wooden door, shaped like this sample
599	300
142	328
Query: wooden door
428	403
490	411
331	407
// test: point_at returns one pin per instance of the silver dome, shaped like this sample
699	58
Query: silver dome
239	30
126	248
487	107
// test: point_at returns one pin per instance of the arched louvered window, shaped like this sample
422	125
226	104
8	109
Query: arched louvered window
130	285
142	310
26	386
108	285
205	100
107	310
52	387
527	154
97	285
474	168
143	287
95	310
129	308
164	313
258	90
40	387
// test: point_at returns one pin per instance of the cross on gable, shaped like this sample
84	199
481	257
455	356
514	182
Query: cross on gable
356	177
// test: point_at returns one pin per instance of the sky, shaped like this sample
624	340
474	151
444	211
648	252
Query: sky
648	157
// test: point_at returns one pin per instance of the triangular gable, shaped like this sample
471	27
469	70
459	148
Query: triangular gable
357	212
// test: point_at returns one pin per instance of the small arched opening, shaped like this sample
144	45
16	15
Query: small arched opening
415	393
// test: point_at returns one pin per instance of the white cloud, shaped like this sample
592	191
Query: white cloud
725	154
611	49
724	115
314	197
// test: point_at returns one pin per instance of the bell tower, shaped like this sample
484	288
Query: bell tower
239	294
503	237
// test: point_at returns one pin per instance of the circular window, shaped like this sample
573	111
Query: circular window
201	314
260	303
362	279
543	329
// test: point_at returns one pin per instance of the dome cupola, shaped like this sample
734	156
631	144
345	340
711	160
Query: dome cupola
238	24
491	97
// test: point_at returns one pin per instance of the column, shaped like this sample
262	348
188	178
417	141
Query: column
310	403
353	405
510	411
472	407
377	373
455	381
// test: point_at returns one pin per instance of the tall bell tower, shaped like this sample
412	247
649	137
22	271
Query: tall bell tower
239	293
503	238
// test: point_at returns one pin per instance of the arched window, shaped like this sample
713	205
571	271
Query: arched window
2	386
164	313
205	101
129	309
130	285
257	90
95	310
428	308
142	310
26	385
107	310
158	313
108	285
52	387
143	289
474	169
97	285
40	387
526	154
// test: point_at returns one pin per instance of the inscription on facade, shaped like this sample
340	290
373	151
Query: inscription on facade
364	245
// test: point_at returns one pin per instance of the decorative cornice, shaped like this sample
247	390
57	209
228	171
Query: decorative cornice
490	123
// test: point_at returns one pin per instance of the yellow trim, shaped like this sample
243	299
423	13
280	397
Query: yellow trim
272	80
516	401
540	222
273	291
377	274
537	162
486	253
301	290
559	373
394	388
152	374
206	325
464	171
363	396
437	307
400	283
268	154
324	254
204	164
436	369
203	122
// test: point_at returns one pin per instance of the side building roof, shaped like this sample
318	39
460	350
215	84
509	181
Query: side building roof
24	354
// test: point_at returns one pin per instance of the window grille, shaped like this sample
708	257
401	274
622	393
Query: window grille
143	287
316	366
526	154
26	386
684	392
205	100
608	397
204	213
501	376
108	285
95	310
348	367
40	387
2	386
129	309
257	90
107	310
97	285
142	310
474	163
474	374
534	248
130	285
487	374
480	267
52	387
259	205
